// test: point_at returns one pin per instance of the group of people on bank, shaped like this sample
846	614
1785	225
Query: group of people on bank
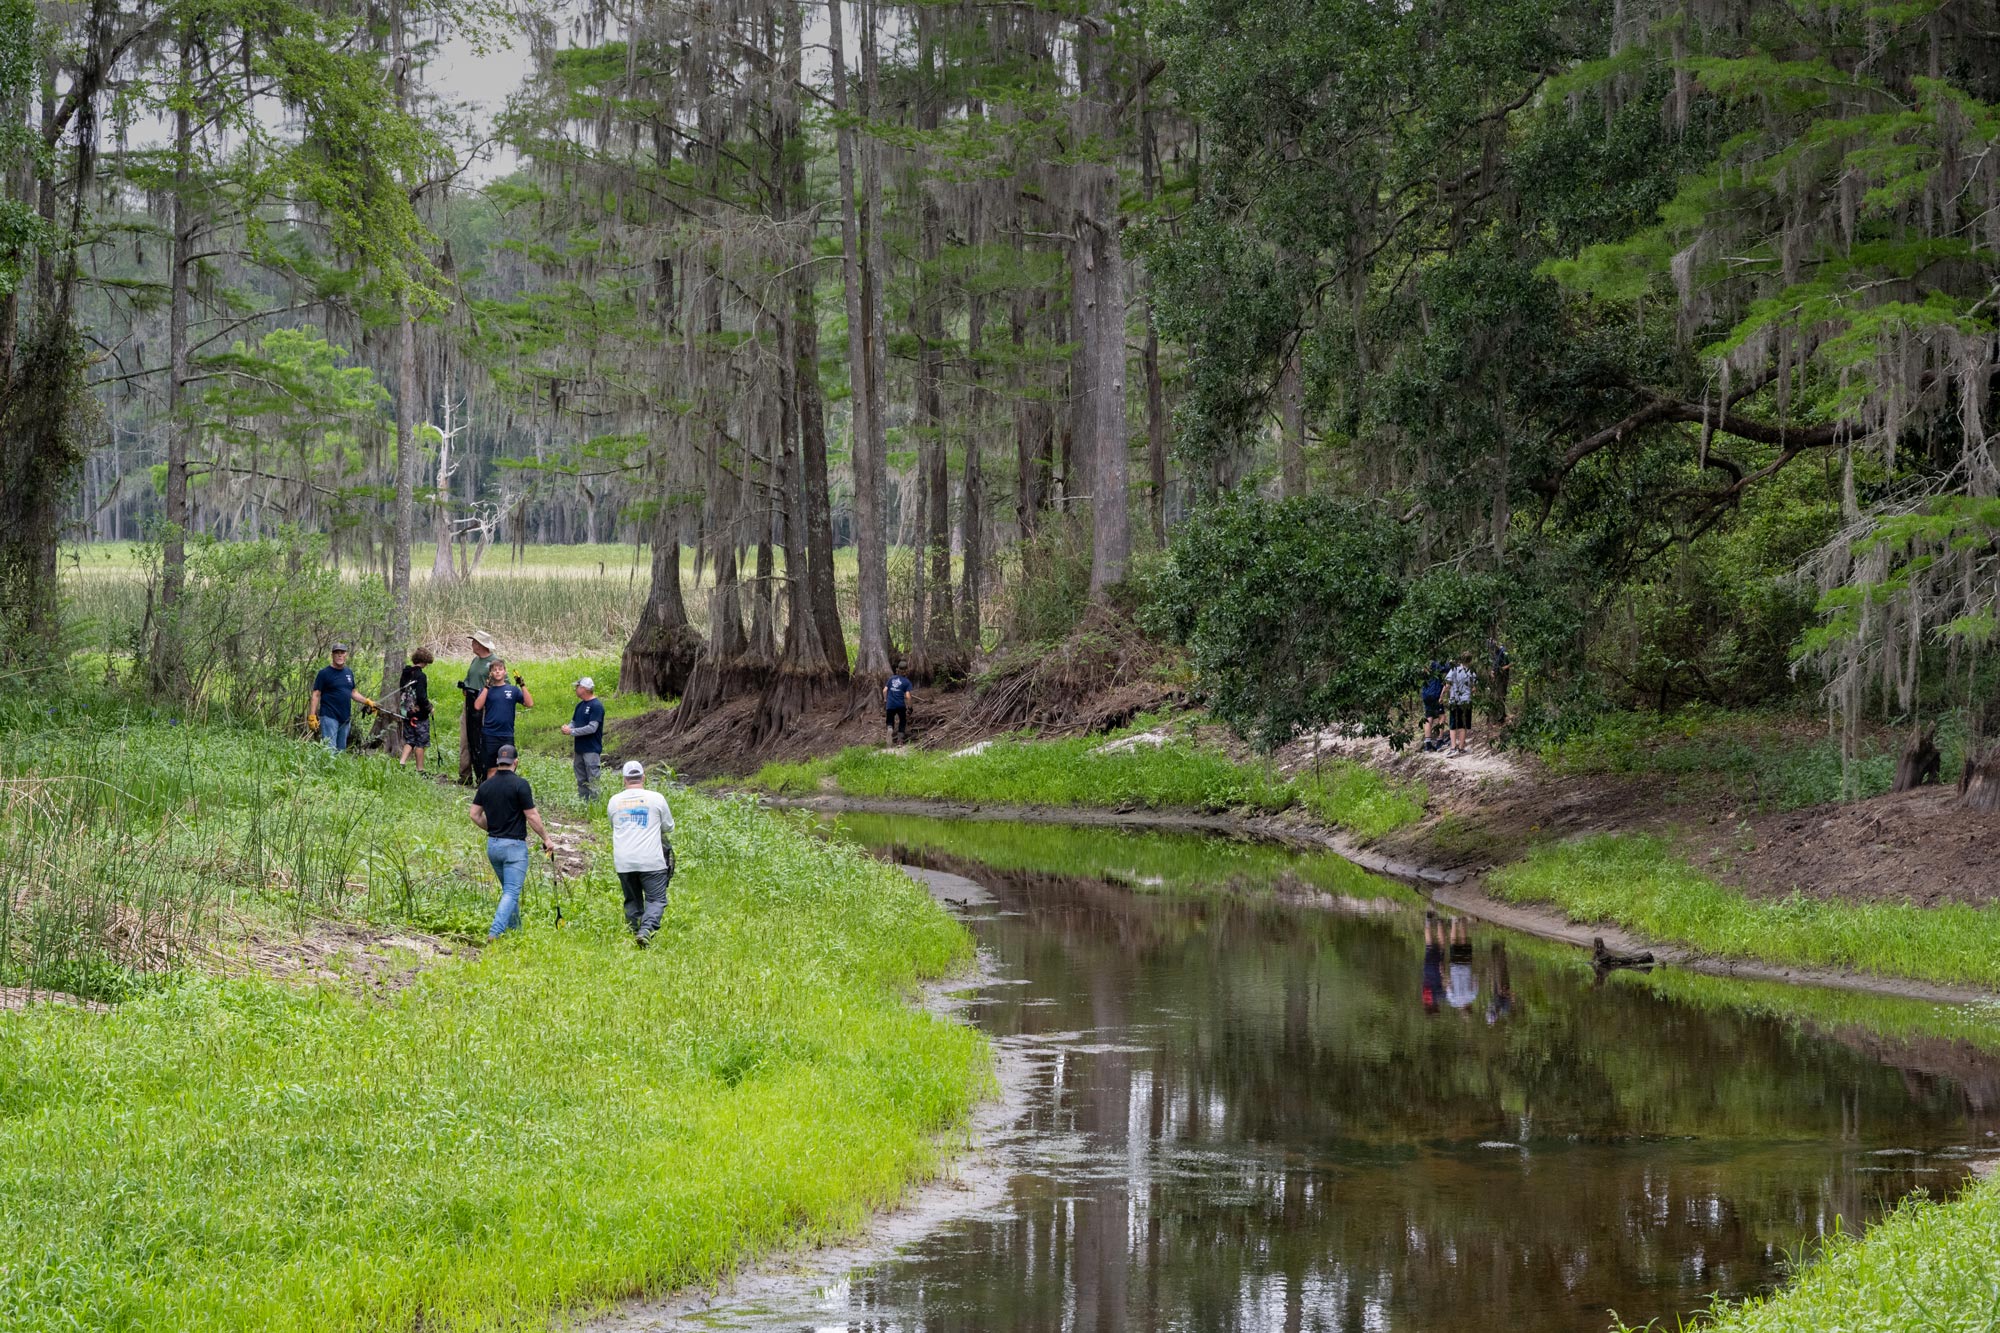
503	805
1448	692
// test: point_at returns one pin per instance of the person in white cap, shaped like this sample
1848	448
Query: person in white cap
641	852
586	732
471	763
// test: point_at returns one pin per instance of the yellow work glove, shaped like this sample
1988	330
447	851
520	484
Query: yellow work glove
312	723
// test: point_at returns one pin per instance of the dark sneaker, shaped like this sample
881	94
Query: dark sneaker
643	938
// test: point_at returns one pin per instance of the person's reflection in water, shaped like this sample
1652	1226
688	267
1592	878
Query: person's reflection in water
1433	960
1500	1001
1461	990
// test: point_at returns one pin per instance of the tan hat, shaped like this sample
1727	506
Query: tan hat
482	638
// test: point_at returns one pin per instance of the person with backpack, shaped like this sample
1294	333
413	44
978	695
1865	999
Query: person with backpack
1433	698
1458	684
414	694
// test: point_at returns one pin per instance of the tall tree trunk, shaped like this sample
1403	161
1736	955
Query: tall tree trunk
942	657
972	508
875	657
870	485
1100	282
167	658
1156	399
661	653
810	529
403	527
814	492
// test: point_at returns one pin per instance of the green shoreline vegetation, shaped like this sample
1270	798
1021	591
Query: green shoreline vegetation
1637	881
1080	772
553	1124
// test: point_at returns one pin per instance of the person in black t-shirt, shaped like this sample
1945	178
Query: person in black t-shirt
504	806
415	696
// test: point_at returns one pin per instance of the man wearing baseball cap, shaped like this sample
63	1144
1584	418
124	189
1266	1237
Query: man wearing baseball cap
332	710
586	732
504	806
641	853
471	763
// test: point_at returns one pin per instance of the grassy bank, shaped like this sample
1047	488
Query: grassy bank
1146	861
1928	1265
1638	882
556	1122
1078	771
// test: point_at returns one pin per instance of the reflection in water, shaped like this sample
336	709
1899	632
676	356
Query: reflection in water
1248	1114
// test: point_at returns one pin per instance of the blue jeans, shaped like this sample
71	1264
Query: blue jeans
509	857
334	732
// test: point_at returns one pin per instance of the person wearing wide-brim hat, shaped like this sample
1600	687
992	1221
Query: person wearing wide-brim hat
471	762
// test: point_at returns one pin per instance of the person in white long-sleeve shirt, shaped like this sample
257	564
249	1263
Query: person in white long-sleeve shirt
641	851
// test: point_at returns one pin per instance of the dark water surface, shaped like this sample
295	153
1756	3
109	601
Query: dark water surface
1241	1113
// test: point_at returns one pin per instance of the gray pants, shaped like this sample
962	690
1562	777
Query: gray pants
646	896
587	767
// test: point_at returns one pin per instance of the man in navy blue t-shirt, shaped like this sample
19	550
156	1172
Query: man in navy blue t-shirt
896	696
496	705
586	732
332	709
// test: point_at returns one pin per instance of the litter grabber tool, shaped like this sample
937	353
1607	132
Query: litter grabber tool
555	883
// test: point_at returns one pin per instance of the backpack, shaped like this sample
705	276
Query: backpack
1433	689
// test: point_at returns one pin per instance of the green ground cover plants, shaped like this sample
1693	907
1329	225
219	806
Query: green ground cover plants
1928	1265
1769	760
554	1123
1637	881
1180	775
1145	860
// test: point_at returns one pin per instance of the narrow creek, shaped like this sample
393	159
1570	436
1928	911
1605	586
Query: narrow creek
1246	1103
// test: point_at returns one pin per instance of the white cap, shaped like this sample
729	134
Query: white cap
634	769
585	683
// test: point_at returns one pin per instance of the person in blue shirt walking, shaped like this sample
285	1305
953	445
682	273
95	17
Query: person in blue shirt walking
332	710
496	705
896	696
586	732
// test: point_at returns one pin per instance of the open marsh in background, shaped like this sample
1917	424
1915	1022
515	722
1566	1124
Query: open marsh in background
1241	1113
553	600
